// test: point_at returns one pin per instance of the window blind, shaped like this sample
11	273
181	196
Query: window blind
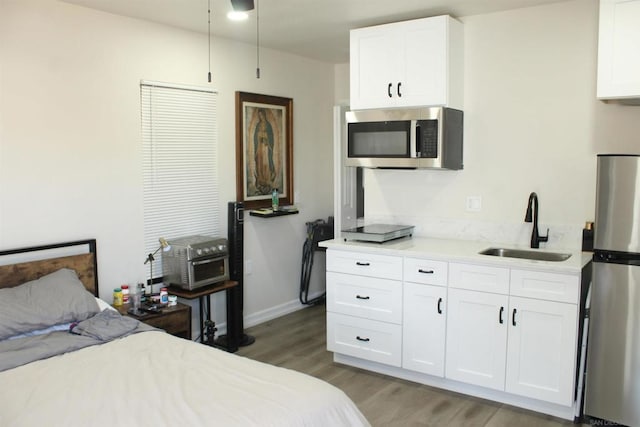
179	164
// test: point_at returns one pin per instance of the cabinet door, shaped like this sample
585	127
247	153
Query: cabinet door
618	42
541	351
374	59
423	328
423	77
476	338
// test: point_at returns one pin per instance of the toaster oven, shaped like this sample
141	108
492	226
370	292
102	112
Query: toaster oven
196	261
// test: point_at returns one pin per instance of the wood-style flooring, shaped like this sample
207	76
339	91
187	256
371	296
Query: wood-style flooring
298	341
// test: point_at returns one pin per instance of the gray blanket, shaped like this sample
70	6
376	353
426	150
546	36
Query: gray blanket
103	327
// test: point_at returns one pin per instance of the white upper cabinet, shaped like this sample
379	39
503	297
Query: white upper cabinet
619	51
408	64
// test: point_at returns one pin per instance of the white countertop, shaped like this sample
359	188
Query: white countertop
463	251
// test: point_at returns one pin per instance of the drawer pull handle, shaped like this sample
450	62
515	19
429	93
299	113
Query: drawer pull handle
425	271
500	315
362	339
363	264
439	305
389	90
361	297
513	317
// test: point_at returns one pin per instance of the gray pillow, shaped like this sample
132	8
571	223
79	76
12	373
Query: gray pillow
53	299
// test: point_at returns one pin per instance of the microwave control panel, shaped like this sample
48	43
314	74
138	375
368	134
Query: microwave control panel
427	135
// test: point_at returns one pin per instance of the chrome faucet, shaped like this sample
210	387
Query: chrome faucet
533	216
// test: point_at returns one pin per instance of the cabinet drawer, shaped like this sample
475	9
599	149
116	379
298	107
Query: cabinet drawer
372	265
367	339
368	297
425	271
479	278
546	286
176	321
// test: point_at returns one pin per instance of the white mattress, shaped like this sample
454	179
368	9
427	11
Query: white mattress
155	379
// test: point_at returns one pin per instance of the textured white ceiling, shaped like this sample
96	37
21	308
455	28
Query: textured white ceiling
317	29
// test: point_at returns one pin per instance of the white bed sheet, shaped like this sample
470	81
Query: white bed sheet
155	379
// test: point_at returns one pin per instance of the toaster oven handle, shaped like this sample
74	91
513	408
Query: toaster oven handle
205	261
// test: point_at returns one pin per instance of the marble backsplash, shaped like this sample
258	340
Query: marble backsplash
561	236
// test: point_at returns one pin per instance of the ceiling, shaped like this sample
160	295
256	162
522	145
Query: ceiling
317	29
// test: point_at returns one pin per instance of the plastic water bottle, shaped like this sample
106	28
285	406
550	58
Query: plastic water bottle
274	199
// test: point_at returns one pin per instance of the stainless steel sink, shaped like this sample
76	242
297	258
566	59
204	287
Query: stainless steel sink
525	254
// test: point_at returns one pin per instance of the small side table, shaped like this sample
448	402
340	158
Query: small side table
176	319
204	296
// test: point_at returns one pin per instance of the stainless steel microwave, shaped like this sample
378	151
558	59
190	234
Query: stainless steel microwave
405	138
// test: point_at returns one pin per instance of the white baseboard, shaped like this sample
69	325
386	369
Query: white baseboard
256	318
275	312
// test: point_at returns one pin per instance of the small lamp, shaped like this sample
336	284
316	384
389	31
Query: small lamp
164	245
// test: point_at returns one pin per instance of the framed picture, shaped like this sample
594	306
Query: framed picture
264	149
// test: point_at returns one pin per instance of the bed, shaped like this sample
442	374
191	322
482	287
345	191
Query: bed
137	378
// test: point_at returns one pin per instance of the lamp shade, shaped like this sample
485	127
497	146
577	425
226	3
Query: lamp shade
164	244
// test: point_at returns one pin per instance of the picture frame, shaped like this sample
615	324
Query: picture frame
264	149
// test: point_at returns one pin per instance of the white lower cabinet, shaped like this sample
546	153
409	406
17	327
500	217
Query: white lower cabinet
520	345
541	349
364	306
477	338
423	328
506	329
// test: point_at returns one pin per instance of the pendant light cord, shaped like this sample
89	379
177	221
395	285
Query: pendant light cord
258	39
209	36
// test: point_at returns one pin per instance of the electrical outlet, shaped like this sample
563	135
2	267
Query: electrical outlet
474	203
248	267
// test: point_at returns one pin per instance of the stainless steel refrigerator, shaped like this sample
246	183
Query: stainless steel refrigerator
613	356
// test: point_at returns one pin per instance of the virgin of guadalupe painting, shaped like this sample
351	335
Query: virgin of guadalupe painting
263	149
264	169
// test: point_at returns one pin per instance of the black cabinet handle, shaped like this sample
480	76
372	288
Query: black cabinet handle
439	305
425	271
361	297
513	317
389	90
399	93
362	339
362	264
500	315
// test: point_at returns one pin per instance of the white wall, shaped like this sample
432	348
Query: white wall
70	160
532	123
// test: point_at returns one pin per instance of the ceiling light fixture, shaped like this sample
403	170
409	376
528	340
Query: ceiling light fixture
237	15
242	5
239	9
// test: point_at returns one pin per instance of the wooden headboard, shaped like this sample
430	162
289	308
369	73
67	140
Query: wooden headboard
85	264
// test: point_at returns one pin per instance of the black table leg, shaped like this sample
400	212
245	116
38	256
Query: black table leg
201	321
